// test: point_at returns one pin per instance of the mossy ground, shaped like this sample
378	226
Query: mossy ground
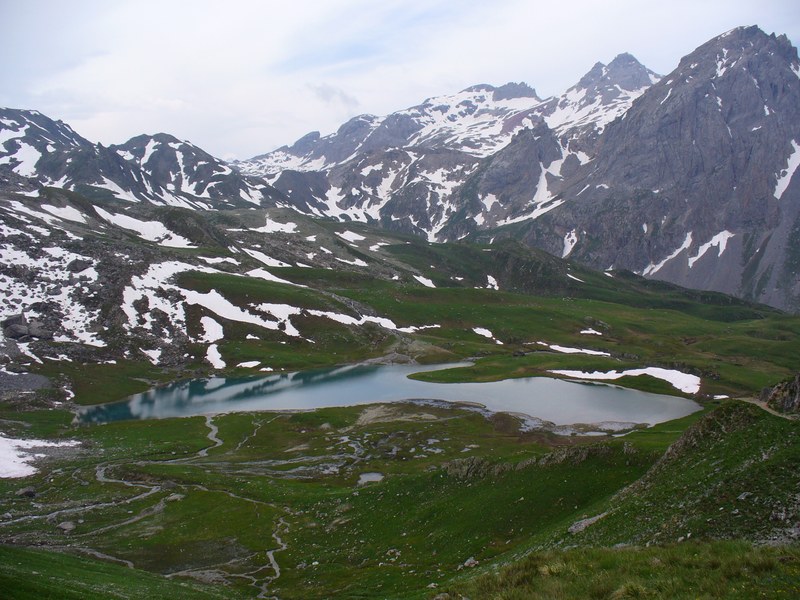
287	484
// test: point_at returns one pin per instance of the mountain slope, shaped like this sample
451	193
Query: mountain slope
694	184
406	170
157	169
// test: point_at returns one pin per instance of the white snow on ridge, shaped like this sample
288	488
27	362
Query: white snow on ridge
471	120
267	260
152	231
275	227
689	384
266	275
350	236
10	134
482	331
27	156
491	283
425	281
65	212
785	176
654	268
568	350
152	146
720	240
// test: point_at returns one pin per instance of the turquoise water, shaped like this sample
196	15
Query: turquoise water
557	401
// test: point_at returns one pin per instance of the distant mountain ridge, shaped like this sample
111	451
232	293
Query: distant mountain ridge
687	178
159	169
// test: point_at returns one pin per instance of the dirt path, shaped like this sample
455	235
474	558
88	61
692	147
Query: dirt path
772	411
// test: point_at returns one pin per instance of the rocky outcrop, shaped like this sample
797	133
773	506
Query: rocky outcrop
784	397
18	328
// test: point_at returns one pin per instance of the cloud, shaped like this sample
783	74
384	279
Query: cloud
245	77
331	95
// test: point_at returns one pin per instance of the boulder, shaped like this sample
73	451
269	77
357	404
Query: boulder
66	526
13	320
16	331
38	330
26	492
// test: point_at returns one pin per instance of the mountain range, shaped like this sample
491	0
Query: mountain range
686	177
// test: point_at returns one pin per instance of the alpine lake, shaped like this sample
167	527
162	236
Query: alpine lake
537	401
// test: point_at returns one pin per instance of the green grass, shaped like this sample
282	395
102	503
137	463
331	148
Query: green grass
685	571
729	476
100	383
47	575
515	493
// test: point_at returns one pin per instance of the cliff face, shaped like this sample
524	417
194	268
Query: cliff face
784	397
694	183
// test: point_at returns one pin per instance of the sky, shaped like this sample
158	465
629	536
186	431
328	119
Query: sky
242	77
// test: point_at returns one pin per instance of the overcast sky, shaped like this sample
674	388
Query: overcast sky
242	77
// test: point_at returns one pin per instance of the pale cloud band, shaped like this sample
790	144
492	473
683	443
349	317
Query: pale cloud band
242	77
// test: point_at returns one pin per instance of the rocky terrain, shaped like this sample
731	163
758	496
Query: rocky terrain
784	397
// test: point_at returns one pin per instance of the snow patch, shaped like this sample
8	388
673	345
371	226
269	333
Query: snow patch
568	350
425	281
654	268
720	240
267	260
65	212
569	243
266	275
356	263
16	455
350	236
214	357
689	384
275	227
152	231
785	176
250	364
212	331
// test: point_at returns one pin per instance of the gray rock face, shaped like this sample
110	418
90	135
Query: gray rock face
693	184
485	156
784	397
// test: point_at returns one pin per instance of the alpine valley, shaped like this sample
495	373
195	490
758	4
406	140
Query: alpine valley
639	228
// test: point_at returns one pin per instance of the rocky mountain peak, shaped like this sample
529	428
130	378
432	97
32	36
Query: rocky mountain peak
740	46
514	90
624	71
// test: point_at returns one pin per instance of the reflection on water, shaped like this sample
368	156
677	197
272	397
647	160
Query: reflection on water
560	402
